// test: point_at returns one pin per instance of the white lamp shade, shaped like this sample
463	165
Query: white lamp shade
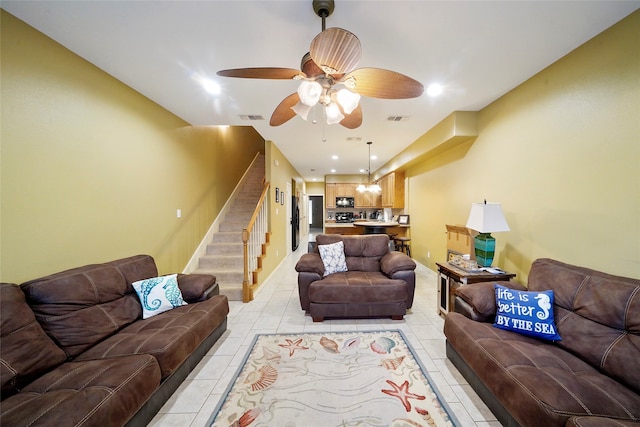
333	114
309	92
301	110
375	188
348	100
487	218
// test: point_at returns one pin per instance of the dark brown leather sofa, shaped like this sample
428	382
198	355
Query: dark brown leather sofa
378	283
75	350
589	378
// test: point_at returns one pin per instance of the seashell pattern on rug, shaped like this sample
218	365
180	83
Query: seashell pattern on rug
334	377
262	378
330	345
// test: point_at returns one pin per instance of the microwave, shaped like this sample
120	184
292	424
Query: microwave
345	202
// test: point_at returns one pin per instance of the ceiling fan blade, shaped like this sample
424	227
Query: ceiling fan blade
283	112
380	83
353	120
262	73
336	50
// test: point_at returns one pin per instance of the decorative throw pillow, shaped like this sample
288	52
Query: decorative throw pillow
158	294
333	258
526	312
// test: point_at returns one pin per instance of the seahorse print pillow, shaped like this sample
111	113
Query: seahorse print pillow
526	312
158	294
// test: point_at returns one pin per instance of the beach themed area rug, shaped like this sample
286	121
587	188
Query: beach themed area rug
331	379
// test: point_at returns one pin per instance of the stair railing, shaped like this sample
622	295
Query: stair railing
253	239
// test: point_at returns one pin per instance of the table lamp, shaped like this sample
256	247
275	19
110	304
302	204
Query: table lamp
486	218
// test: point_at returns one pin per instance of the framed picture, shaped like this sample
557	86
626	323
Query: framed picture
282	197
277	195
403	219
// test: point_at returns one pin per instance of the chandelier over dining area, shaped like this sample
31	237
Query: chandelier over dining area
371	187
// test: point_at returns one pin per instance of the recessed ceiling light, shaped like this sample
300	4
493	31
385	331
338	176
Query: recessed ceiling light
334	157
210	86
333	171
434	89
374	157
362	170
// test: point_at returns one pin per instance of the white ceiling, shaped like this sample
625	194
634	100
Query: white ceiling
477	50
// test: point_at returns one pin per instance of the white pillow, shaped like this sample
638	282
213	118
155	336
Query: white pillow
158	294
333	258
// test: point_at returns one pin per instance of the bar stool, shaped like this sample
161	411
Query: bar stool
403	245
392	241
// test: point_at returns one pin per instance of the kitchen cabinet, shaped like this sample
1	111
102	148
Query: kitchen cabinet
392	190
367	200
345	190
330	195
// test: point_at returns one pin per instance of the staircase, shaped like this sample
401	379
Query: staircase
224	254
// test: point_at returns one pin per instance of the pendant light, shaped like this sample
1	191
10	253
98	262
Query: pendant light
371	187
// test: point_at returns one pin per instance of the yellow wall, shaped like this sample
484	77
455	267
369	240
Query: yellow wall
561	152
93	171
279	172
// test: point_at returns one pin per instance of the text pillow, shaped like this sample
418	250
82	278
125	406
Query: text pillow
333	258
158	294
525	312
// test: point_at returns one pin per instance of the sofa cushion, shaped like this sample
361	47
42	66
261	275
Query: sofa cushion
358	287
332	256
91	393
362	252
606	306
170	336
84	305
536	379
21	334
525	312
158	294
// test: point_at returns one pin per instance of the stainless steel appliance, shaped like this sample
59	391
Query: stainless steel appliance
344	217
345	202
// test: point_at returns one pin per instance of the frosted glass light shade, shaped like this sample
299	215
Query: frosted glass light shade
487	218
309	92
375	188
348	100
301	109
333	114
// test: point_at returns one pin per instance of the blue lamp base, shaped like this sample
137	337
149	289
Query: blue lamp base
485	248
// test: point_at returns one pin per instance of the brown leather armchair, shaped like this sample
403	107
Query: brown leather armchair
378	283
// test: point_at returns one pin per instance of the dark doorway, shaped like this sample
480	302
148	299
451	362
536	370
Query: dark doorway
316	212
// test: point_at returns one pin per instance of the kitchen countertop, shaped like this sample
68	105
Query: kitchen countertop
363	224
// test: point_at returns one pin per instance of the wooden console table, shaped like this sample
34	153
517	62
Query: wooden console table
450	277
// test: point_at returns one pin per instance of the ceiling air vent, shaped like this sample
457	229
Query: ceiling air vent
398	118
251	117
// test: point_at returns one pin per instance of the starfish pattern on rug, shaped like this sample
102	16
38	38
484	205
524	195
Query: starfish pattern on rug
402	393
293	346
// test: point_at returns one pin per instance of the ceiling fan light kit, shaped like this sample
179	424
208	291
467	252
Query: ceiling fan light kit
331	61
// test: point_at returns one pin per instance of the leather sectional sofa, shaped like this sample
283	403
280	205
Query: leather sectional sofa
76	352
378	282
591	377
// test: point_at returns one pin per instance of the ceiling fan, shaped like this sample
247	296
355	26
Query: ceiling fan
329	77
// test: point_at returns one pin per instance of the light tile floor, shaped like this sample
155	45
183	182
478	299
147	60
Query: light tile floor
276	309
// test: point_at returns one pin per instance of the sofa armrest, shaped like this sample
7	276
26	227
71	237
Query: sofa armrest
478	300
394	261
310	263
197	287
